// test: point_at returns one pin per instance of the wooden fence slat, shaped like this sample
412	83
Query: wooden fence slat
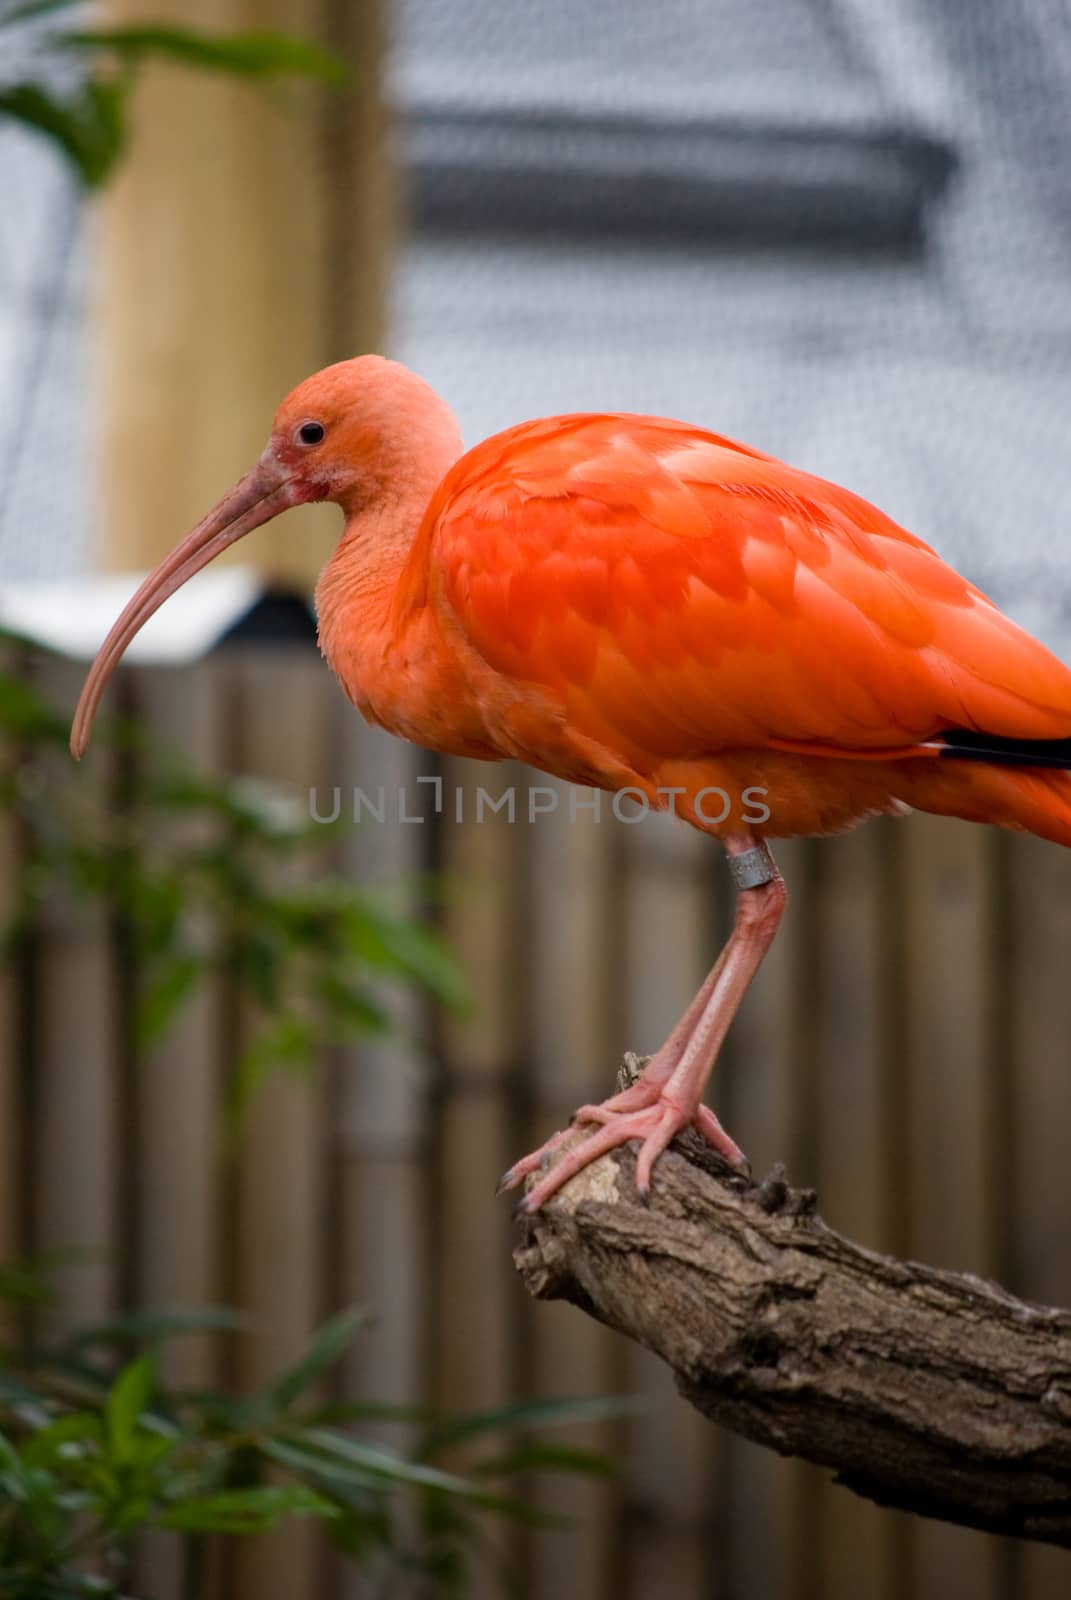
575	1043
483	922
382	1139
482	867
668	946
760	1090
178	1222
1038	1093
77	1054
383	1094
280	1230
949	1080
853	1155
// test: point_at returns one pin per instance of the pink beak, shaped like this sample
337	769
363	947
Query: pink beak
254	500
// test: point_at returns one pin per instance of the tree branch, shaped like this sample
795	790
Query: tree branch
931	1391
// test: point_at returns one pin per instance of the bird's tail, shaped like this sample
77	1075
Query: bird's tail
1028	781
1037	802
1026	800
1024	784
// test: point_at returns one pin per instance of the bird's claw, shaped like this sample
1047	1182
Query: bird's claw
654	1124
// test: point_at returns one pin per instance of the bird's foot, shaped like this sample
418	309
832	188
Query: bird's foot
643	1112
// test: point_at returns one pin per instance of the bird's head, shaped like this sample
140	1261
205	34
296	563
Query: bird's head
351	434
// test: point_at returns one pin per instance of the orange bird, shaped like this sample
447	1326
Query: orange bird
631	602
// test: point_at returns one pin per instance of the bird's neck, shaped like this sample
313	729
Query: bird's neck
357	597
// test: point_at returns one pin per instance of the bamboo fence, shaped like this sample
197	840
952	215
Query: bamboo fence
906	1049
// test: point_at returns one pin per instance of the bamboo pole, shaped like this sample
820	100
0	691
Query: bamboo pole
482	862
363	214
1037	1093
760	1090
280	1228
854	1156
575	1038
177	1090
173	1167
214	290
382	1249
674	1458
76	1067
483	919
951	1145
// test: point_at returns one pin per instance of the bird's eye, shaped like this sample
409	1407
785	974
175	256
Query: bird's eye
311	432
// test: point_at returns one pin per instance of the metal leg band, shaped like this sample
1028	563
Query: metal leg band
752	868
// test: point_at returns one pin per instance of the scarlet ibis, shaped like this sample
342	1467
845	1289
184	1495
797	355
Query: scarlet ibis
631	602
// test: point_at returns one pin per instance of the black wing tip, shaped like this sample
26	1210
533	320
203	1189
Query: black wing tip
965	744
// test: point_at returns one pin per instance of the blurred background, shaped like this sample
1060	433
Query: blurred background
837	229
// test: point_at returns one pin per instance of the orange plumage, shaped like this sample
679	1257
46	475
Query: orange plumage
628	601
632	601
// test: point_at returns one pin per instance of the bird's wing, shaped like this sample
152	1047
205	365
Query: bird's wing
674	593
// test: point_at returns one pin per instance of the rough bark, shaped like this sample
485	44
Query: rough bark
927	1390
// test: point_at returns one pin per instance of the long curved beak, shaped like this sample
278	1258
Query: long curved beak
254	500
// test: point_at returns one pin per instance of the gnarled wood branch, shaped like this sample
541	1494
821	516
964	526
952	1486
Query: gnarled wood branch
931	1391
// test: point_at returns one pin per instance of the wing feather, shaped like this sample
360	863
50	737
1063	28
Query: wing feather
669	589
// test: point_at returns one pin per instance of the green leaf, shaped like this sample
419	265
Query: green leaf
162	996
259	959
338	1449
88	126
547	1458
316	1464
288	1042
354	1008
337	1412
43	1448
161	1323
395	944
105	104
21	1282
527	1414
328	1345
157	898
349	1463
13	1392
13	1472
254	54
336	1457
127	1399
26	716
247	1510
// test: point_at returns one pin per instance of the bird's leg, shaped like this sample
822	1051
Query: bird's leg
660	1066
643	1092
759	908
666	1098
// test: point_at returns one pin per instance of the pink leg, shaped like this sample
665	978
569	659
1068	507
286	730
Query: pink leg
667	1096
642	1093
660	1067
